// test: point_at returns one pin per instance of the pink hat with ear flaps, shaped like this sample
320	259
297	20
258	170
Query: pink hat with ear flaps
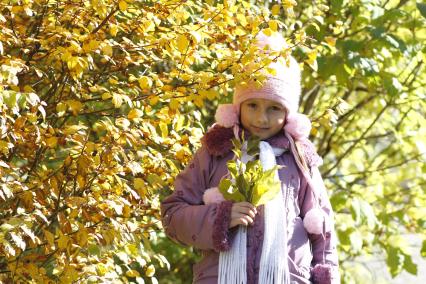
285	88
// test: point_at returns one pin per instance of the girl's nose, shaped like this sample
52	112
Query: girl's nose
261	117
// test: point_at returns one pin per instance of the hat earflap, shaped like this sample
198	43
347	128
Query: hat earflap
227	115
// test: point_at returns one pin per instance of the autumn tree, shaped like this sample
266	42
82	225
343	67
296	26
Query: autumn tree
103	102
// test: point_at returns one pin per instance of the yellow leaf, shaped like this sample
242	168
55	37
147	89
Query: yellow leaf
174	104
75	201
117	100
330	41
164	129
182	43
275	10
273	25
61	108
312	56
134	113
267	32
113	29
82	236
81	181
242	19
139	183
199	102
49	237
74	106
122	5
132	273
145	82
106	96
101	268
153	100
51	142
72	129
63	241
126	211
150	271
272	71
107	49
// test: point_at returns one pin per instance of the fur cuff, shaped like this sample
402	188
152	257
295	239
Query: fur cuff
213	195
221	240
324	274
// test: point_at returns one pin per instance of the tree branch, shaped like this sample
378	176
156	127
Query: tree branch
105	20
357	141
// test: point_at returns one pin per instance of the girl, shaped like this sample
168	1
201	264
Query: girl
291	238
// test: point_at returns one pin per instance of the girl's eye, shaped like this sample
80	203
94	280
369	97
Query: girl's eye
276	108
251	105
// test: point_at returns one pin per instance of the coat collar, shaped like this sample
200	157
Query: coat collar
218	140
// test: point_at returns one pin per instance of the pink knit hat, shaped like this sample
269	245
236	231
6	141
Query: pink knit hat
283	87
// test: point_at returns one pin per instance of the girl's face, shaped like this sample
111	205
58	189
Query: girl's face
261	117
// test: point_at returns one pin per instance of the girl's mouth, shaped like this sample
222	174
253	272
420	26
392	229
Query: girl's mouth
260	128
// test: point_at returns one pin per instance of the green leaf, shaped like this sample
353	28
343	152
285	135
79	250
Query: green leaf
253	146
265	188
409	265
392	86
394	260
229	192
232	167
224	185
423	249
422	8
336	5
332	65
242	185
339	200
252	165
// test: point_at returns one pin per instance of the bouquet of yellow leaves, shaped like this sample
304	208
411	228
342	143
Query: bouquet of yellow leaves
248	181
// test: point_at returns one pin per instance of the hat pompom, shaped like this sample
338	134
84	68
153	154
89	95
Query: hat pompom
227	115
314	221
213	195
298	126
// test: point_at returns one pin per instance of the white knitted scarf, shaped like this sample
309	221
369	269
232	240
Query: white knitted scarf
273	262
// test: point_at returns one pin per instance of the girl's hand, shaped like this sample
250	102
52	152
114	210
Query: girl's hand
242	213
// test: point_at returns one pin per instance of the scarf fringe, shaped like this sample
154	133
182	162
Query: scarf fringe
230	270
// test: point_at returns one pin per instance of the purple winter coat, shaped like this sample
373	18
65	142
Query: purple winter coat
188	221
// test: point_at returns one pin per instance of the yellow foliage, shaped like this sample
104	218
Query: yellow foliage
99	114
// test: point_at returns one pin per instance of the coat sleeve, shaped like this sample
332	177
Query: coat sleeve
323	246
186	219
